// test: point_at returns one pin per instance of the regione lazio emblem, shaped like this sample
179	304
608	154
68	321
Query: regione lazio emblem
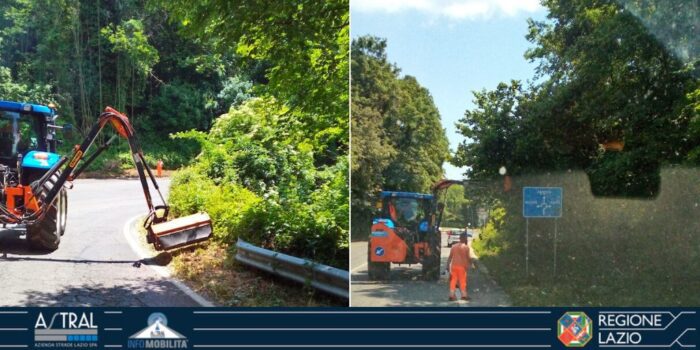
574	329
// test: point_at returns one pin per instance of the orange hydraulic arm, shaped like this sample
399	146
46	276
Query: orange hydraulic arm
437	188
122	126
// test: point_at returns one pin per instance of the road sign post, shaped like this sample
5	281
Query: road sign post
555	247
543	203
527	247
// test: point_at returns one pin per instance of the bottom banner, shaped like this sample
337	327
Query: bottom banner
217	328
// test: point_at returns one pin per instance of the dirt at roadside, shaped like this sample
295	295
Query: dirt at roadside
208	269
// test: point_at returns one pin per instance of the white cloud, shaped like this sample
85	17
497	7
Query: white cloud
454	9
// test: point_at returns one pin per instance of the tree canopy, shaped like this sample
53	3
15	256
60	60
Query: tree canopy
250	96
398	142
603	79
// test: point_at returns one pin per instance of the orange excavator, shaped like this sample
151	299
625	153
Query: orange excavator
406	231
34	178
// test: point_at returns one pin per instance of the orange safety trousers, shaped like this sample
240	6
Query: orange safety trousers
458	273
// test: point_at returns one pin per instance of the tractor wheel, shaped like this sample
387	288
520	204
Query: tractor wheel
377	270
46	234
431	264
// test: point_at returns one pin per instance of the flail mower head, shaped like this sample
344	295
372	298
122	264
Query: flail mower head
179	232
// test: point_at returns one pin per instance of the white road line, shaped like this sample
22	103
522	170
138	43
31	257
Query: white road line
358	267
140	251
351	311
373	329
427	346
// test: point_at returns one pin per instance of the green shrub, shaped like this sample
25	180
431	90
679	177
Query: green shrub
189	192
230	206
258	178
610	250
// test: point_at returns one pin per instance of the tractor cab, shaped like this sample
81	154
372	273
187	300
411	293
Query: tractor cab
17	135
21	132
409	212
27	131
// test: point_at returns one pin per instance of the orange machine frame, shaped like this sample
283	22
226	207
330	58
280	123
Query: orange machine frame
394	248
25	192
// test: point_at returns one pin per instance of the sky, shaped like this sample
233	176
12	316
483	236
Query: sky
453	47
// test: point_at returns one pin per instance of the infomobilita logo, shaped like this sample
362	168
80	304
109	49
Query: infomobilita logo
157	335
574	329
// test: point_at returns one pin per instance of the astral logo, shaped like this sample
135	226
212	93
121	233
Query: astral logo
157	335
65	330
574	329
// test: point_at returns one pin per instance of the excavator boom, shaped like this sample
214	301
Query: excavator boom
163	234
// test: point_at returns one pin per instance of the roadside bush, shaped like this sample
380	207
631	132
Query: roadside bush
610	250
189	191
230	205
257	175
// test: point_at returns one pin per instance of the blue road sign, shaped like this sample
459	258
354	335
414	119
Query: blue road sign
542	202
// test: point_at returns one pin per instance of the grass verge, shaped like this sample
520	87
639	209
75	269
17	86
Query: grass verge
211	270
610	251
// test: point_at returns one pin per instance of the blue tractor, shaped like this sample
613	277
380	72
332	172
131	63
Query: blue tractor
34	178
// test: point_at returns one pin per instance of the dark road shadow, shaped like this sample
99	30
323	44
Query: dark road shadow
11	242
17	249
134	293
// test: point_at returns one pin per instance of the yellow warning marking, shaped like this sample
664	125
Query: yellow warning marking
77	157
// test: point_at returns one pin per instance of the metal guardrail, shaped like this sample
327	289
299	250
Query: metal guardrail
328	279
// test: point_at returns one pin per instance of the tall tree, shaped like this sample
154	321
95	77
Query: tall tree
304	44
605	79
398	140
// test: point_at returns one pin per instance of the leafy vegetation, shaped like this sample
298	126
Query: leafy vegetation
612	109
610	251
84	55
249	97
256	178
459	210
281	157
604	79
398	142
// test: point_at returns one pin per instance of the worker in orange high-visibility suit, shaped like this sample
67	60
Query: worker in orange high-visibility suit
457	266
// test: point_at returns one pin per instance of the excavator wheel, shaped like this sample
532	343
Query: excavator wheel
46	234
431	263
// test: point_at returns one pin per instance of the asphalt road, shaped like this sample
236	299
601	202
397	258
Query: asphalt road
406	287
93	265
